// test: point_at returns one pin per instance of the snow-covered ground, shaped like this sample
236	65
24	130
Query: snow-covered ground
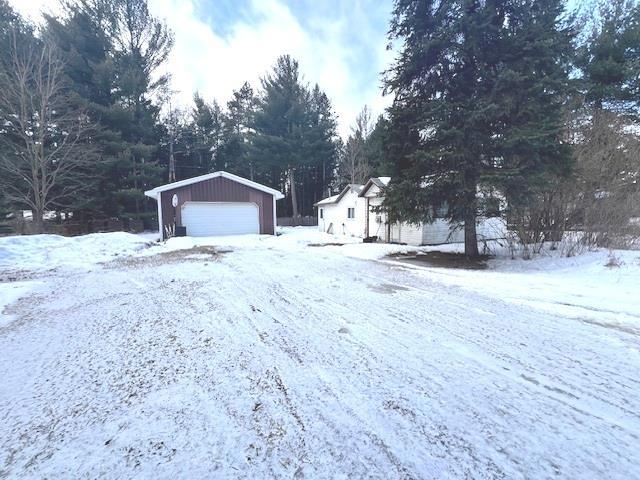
581	287
280	357
10	292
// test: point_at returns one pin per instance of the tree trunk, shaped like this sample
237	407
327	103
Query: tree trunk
470	213
324	179
470	238
38	221
172	162
135	186
294	197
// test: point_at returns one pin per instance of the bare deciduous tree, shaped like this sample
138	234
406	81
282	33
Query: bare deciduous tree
46	142
354	165
599	203
608	179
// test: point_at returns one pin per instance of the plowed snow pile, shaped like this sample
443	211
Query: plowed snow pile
50	251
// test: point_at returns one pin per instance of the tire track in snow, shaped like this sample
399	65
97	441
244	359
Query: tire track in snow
417	386
549	390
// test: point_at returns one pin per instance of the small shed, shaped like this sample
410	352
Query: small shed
218	203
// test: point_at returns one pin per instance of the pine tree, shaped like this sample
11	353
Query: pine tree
608	56
530	97
294	145
234	151
281	124
142	44
321	153
12	25
113	51
207	128
89	70
374	148
477	92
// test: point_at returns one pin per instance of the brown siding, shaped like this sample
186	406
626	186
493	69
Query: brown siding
219	189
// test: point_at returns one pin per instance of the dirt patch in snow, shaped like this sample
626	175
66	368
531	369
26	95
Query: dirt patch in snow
443	260
9	276
196	254
328	244
387	288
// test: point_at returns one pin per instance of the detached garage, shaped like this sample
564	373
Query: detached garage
218	203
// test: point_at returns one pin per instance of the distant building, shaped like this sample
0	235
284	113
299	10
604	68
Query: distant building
356	211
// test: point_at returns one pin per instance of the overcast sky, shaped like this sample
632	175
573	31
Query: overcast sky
219	44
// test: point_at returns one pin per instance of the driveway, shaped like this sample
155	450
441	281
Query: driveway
267	362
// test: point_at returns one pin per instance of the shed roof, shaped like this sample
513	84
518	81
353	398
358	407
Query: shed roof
153	193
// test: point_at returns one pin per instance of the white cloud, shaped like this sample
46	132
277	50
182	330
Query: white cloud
206	61
33	9
215	65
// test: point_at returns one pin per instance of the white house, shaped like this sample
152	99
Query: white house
434	233
334	217
343	214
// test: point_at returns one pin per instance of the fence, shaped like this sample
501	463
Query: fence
308	221
71	228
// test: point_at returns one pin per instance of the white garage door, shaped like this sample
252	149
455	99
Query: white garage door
208	219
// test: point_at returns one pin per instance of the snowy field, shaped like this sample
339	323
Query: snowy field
278	357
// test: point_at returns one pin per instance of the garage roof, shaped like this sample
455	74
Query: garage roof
153	193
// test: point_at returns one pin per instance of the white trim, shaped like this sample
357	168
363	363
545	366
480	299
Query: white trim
216	202
275	218
153	193
160	225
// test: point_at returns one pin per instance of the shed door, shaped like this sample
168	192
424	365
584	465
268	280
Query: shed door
208	219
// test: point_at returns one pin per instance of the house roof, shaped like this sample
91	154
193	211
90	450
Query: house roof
328	200
380	182
153	193
336	198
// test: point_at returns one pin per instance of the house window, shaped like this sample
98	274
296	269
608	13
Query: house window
321	213
351	213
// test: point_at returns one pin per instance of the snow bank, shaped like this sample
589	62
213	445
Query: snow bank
50	251
32	252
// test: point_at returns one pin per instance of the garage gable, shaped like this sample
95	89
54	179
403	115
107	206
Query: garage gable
222	188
